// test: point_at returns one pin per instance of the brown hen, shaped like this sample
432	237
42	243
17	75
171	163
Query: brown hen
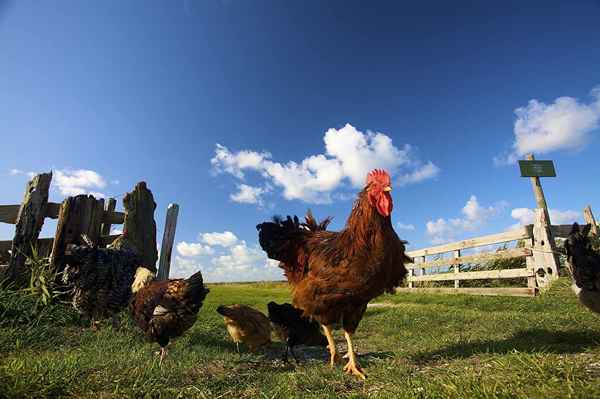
246	325
164	310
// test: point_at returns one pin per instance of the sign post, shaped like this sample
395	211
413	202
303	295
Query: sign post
534	170
546	263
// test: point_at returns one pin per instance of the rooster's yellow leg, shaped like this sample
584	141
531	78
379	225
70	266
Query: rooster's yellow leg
352	366
331	346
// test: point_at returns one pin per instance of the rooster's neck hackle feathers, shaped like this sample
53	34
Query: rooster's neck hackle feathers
364	223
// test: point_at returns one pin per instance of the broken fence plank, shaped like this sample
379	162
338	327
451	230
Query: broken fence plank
29	222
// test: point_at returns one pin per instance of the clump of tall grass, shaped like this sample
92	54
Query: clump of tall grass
33	313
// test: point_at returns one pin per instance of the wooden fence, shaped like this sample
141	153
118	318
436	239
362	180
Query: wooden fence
538	248
83	214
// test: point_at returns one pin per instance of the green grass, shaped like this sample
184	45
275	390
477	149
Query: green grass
421	346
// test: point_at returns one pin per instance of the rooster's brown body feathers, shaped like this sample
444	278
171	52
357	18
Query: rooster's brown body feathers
335	274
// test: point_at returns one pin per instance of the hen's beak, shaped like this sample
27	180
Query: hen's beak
387	188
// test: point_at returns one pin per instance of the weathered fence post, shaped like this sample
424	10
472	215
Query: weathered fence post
164	265
78	215
29	223
589	218
111	205
530	265
139	224
422	259
544	250
456	255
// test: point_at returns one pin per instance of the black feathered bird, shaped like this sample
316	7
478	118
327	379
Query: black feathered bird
101	280
584	264
293	328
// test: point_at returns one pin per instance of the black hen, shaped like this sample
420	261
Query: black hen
101	280
293	328
584	264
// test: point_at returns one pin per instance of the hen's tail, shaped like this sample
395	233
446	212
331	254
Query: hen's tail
196	290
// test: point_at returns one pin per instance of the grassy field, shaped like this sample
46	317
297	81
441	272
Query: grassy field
416	346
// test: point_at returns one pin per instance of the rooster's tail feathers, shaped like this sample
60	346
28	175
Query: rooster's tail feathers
276	236
311	223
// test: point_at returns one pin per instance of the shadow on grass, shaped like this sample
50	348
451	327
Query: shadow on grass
367	358
208	338
528	341
376	311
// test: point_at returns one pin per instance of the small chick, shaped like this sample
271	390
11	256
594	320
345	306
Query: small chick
246	325
293	328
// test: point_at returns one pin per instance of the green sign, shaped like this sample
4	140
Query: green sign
537	169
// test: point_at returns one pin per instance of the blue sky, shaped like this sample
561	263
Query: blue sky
238	110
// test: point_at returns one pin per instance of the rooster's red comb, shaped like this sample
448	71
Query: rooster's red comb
380	176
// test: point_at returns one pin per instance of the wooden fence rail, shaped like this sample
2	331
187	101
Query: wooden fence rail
82	214
537	247
9	213
478	258
512	235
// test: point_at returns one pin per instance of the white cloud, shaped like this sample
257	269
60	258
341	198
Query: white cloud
81	181
225	239
248	194
311	181
403	226
17	172
566	124
474	217
424	172
193	249
115	231
185	267
349	155
238	262
225	161
358	153
526	216
73	182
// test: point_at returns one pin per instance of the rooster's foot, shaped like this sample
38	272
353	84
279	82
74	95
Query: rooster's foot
354	369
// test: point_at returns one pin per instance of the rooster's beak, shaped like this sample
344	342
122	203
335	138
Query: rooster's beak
388	188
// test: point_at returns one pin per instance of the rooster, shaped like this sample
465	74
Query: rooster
334	275
164	310
247	325
293	328
584	264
